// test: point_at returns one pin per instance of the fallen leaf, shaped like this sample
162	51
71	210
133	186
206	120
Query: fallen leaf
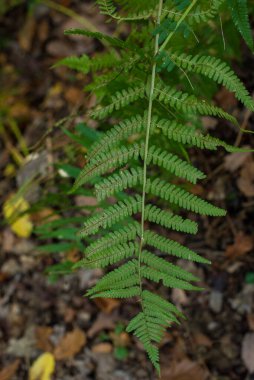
250	319
103	322
9	371
23	347
107	305
12	208
42	335
70	344
73	95
102	348
248	351
26	34
120	340
202	340
245	182
184	370
83	200
43	367
235	161
242	245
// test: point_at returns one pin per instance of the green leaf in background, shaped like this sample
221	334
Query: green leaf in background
249	278
240	16
57	270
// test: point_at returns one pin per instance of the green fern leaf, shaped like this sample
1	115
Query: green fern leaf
216	70
81	64
124	272
169	281
188	135
169	220
172	247
188	104
124	234
119	293
239	12
110	256
182	198
200	13
165	267
112	215
119	100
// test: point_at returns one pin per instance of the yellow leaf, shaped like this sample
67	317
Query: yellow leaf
43	367
13	207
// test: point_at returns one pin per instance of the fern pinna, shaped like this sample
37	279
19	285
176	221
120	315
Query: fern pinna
140	162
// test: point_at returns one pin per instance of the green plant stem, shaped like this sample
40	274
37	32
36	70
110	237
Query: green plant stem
184	15
148	127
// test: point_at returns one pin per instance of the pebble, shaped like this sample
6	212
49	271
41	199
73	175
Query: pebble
216	301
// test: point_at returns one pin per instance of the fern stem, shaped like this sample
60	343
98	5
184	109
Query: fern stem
148	127
184	15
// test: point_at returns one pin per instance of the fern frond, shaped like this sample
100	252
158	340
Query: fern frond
113	41
125	158
216	70
110	256
124	234
186	134
130	178
169	220
178	196
150	273
154	301
165	267
117	182
116	134
123	272
239	11
103	61
147	334
119	100
107	7
188	104
81	64
200	14
103	162
119	293
112	215
172	247
119	157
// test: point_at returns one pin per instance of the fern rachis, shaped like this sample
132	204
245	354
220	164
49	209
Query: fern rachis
137	155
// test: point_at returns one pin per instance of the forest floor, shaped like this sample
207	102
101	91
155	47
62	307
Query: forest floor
87	338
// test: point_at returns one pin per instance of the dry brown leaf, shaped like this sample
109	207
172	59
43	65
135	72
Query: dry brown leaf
242	245
235	161
70	344
82	200
102	348
248	351
120	340
73	95
202	340
250	318
26	34
103	322
9	371
184	370
246	181
107	305
42	335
